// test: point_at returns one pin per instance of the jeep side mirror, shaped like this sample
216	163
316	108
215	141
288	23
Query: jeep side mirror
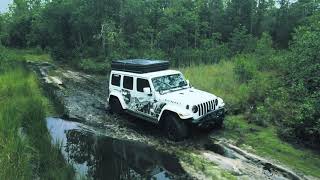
147	91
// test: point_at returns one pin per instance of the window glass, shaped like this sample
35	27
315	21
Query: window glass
128	82
142	83
169	82
115	80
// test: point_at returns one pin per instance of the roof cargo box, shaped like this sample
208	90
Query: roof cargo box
139	65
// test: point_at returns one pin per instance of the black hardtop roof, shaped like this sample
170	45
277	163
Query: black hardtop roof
139	61
139	65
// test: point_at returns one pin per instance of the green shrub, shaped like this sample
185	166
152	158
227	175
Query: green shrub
260	86
245	68
90	65
261	116
302	74
301	124
264	52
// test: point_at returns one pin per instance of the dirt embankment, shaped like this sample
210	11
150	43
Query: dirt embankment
82	98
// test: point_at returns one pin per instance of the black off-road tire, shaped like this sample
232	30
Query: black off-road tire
219	124
115	105
216	126
176	129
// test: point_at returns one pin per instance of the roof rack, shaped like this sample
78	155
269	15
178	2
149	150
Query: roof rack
139	65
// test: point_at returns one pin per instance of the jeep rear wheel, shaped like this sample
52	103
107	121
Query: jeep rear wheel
115	106
176	128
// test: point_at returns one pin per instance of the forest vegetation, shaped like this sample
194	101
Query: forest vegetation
261	56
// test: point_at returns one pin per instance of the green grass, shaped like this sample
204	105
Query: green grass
265	142
25	146
220	79
34	55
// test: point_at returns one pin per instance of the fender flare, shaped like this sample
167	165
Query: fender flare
120	97
182	113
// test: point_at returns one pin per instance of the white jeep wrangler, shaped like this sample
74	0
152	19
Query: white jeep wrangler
148	90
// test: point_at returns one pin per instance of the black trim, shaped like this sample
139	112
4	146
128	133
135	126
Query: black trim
210	118
142	116
139	65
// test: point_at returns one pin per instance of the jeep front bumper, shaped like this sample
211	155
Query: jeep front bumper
210	119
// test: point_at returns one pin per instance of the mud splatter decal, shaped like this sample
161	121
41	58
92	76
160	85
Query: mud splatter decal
126	96
145	105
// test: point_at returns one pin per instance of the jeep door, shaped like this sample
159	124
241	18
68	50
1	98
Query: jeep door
127	90
142	99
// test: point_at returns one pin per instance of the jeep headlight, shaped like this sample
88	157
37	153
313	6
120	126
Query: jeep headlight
195	109
221	102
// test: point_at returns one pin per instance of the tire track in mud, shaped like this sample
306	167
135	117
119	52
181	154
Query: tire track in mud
82	98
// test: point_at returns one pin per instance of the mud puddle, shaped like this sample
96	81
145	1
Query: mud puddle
95	156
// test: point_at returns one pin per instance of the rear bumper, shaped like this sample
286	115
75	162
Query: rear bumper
210	119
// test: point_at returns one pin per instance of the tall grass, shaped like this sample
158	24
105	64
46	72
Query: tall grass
35	55
220	80
25	147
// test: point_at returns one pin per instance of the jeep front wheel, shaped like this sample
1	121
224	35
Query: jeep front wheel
176	128
219	123
115	106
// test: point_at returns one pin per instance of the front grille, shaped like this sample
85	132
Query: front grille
206	107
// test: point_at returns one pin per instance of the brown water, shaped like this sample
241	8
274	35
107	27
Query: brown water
96	156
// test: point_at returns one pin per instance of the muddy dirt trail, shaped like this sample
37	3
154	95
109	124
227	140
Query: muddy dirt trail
82	98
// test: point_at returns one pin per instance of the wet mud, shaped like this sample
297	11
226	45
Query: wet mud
95	156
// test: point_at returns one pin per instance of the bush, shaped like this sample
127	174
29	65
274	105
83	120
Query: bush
264	52
245	68
304	63
260	86
259	93
91	66
261	116
302	74
9	59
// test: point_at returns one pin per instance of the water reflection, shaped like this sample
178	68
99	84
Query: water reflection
101	157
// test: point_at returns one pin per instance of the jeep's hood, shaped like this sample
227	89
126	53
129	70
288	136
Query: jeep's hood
188	96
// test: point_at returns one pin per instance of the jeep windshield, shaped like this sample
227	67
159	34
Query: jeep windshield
169	82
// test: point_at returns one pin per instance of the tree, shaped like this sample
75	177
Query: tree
20	24
303	79
263	21
241	41
305	64
289	16
180	24
239	13
2	30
